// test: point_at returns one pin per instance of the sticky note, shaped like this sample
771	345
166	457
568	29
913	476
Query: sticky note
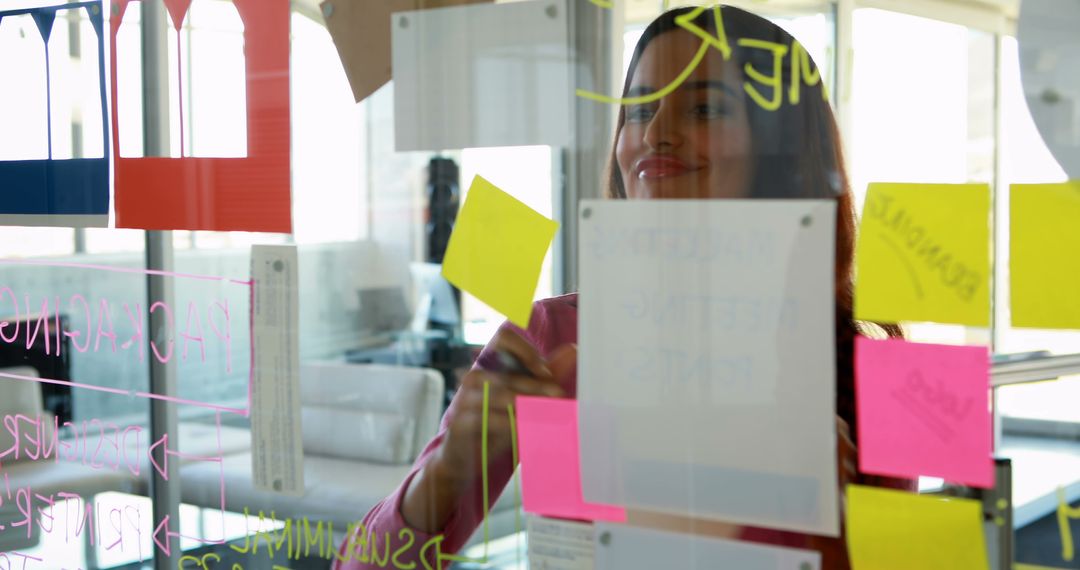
895	530
923	409
1043	265
923	254
496	250
547	430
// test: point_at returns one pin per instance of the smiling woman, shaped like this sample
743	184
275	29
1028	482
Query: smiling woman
693	126
790	152
697	138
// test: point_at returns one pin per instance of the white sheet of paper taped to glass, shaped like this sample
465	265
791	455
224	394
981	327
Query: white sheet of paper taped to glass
277	453
482	75
620	546
706	378
555	544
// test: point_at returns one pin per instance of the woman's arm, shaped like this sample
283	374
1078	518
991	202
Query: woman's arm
432	496
440	502
455	469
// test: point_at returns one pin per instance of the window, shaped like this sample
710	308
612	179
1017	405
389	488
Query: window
920	111
330	179
921	114
525	173
1027	160
213	87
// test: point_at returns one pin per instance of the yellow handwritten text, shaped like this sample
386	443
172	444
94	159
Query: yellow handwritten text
775	81
802	72
295	536
202	563
685	21
1064	513
295	539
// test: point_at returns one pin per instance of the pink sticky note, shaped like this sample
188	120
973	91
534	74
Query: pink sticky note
547	430
923	409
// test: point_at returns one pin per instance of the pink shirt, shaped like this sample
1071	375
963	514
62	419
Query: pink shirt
553	323
385	540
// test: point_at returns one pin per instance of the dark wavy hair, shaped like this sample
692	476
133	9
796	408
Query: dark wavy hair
797	154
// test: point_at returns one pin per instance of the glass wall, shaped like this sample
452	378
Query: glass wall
385	148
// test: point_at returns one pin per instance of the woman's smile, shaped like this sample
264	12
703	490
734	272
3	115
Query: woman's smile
659	166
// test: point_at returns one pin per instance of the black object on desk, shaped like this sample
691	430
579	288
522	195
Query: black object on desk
56	398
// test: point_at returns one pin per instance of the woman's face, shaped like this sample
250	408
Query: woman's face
695	141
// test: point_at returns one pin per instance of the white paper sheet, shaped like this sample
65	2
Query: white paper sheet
277	453
619	547
707	359
556	544
482	75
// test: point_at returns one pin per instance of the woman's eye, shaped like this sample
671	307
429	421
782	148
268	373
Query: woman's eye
709	110
638	114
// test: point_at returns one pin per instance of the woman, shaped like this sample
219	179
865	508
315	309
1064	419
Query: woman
708	138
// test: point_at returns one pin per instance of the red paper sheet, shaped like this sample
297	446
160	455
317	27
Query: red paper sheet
194	193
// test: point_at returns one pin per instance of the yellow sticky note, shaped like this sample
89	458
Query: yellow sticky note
1044	263
496	250
923	254
897	530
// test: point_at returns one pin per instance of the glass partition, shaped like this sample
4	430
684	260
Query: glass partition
402	378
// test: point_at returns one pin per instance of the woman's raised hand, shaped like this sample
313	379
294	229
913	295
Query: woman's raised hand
459	456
